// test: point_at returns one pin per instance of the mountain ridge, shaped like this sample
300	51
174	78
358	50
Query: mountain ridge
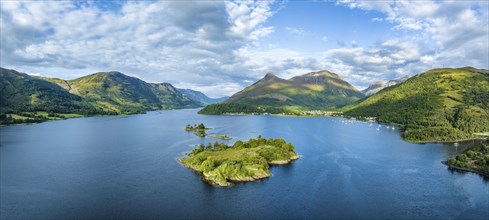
272	94
201	98
379	85
97	93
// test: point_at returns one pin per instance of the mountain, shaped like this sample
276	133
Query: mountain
200	98
25	96
117	93
171	97
379	85
448	104
271	94
24	93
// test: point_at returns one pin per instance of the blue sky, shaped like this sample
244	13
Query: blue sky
221	47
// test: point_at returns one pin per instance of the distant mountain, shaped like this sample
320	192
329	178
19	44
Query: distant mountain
437	105
23	93
200	98
98	93
379	85
171	97
316	90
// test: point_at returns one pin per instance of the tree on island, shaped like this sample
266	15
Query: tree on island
222	165
201	126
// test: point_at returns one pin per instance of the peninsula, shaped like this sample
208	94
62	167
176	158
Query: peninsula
474	160
222	165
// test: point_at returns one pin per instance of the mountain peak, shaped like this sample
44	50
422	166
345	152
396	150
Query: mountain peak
270	76
316	90
379	85
325	73
115	73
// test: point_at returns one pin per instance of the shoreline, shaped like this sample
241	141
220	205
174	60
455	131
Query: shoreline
448	142
357	119
277	115
231	182
88	116
284	162
451	167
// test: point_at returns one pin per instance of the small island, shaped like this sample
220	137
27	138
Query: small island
222	137
474	160
199	129
222	165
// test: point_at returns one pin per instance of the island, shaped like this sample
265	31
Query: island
223	165
473	160
199	129
222	137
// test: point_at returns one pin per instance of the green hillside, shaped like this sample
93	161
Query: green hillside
27	98
171	98
24	93
116	93
437	105
317	90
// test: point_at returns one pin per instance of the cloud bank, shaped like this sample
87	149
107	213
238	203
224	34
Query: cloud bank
216	47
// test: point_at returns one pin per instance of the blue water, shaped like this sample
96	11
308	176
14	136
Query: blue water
125	167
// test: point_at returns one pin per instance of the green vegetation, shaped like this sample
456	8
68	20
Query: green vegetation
33	117
473	160
221	164
120	94
199	129
200	126
108	93
313	91
23	97
439	105
200	133
237	108
222	137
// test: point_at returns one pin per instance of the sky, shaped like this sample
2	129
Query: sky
220	47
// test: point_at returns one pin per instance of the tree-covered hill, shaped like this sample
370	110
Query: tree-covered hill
438	105
26	98
23	93
121	94
312	91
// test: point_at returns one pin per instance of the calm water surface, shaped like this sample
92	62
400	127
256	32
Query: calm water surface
125	167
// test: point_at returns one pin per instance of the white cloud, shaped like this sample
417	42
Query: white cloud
377	19
436	34
295	31
246	18
156	41
215	46
442	33
427	59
